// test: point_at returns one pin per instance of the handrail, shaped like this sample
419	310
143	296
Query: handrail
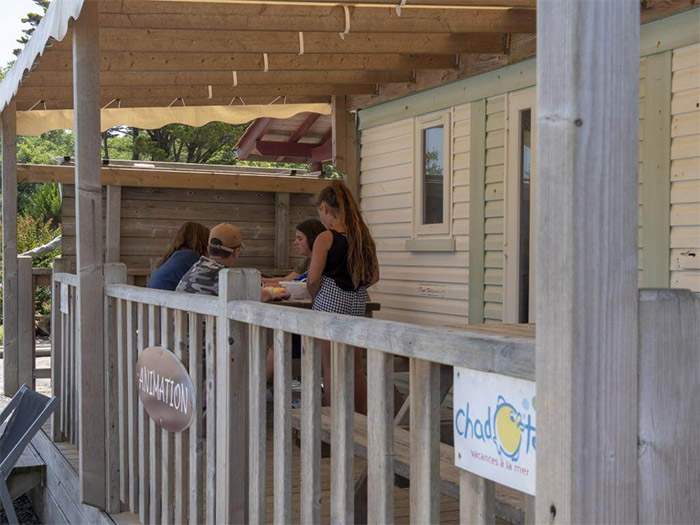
199	304
68	278
511	356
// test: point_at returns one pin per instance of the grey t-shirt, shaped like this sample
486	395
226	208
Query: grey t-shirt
202	278
303	266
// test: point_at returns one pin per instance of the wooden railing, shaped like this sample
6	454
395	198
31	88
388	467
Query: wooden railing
65	356
214	472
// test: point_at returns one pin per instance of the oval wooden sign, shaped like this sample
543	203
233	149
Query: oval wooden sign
165	389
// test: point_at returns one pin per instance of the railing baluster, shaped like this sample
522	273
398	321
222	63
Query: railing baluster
65	377
477	499
144	424
182	468
425	441
75	386
155	464
196	442
122	392
311	431
167	438
57	351
257	424
210	419
132	406
380	437
283	427
342	439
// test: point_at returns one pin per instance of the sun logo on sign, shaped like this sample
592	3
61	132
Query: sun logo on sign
508	426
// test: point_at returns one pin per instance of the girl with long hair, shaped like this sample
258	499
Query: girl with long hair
306	232
343	265
189	245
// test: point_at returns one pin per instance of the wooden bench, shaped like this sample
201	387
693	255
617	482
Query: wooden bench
509	503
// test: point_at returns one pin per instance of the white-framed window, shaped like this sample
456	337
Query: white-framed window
433	175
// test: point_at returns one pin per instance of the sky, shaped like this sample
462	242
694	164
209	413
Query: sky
11	14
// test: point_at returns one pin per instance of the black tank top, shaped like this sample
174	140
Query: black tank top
337	262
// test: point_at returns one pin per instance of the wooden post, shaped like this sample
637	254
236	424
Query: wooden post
425	441
257	423
342	433
88	204
669	392
477	499
281	230
231	397
282	432
114	273
339	129
113	224
588	84
57	349
352	171
310	510
25	321
9	250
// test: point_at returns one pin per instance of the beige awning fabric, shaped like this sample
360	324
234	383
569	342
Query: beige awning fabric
40	121
54	26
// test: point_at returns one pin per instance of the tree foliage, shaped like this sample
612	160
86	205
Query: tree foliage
33	20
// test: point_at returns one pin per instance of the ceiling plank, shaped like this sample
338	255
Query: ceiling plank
323	19
199	40
110	92
284	149
54	60
221	78
414	4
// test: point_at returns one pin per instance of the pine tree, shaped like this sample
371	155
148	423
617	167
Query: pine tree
33	19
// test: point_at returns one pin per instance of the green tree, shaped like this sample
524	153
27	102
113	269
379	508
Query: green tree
33	19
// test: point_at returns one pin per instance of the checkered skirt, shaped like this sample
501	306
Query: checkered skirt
332	298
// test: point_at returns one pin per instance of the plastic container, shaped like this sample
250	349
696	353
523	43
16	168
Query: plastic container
297	290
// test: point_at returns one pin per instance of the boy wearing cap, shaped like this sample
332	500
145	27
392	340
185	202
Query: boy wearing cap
225	244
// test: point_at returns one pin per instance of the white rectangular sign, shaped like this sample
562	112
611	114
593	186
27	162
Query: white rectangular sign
64	298
495	427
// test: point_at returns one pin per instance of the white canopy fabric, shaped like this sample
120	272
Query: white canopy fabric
55	26
37	122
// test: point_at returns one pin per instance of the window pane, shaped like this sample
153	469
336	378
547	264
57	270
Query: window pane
433	180
525	152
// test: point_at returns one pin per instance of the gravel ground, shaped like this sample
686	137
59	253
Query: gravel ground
23	507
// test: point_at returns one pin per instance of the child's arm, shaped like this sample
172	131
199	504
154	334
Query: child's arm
319	255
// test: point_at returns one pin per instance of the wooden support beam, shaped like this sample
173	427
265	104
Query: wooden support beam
237	61
91	358
277	18
246	144
9	250
303	128
588	109
153	178
339	128
352	171
49	94
204	40
281	230
113	224
284	149
54	79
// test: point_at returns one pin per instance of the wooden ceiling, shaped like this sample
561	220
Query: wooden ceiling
155	53
158	53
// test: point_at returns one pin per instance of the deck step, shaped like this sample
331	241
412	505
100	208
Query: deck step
29	472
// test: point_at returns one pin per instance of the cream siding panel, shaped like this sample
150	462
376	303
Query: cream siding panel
685	169
408	279
640	257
